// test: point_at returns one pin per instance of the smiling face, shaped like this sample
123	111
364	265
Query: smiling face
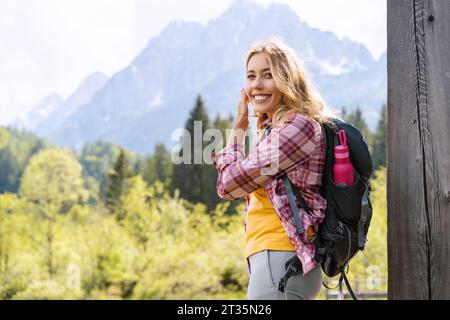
261	88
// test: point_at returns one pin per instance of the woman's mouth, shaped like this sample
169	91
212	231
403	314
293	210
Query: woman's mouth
261	98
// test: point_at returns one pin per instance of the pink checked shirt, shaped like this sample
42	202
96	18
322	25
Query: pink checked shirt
298	146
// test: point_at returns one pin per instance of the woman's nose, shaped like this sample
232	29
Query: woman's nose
258	83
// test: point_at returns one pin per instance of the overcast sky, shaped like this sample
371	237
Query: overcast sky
52	45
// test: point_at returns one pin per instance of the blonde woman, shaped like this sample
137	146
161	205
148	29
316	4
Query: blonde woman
289	115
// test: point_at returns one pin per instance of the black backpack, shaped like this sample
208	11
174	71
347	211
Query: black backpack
343	232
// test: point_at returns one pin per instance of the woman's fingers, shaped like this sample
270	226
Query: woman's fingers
244	97
243	105
242	110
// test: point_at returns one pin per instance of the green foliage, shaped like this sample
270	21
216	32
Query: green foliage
371	264
170	236
97	159
379	140
163	247
116	181
9	206
196	181
355	117
54	178
159	166
204	261
4	138
16	149
222	124
58	176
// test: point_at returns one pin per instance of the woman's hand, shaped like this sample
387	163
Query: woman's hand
242	119
241	123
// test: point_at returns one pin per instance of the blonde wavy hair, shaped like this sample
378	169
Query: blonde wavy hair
298	94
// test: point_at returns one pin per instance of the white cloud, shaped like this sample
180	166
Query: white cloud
52	45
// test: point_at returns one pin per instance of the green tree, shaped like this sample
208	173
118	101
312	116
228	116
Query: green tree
379	141
53	182
116	181
139	218
13	275
17	147
54	178
159	166
195	180
162	246
355	117
213	263
97	159
222	124
4	138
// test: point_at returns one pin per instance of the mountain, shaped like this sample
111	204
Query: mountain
145	102
82	95
40	112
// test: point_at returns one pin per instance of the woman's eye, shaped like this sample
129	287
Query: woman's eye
267	76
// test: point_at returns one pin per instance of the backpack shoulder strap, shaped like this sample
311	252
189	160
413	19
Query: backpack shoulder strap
294	209
364	216
347	283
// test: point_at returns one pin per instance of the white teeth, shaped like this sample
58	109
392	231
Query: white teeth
260	98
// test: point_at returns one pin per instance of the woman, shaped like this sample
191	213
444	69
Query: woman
283	100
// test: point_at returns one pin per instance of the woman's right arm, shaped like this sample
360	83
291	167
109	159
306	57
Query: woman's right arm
285	147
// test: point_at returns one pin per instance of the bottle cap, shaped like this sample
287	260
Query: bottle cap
341	151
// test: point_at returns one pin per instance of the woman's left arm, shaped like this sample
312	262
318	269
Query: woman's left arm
291	144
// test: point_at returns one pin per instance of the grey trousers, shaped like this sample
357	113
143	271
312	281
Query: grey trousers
267	267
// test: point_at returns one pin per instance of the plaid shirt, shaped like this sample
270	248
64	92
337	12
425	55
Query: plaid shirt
297	148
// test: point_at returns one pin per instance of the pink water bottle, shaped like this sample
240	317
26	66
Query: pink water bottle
342	169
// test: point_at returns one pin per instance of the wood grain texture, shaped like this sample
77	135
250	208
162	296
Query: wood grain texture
418	149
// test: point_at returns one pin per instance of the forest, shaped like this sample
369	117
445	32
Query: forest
105	222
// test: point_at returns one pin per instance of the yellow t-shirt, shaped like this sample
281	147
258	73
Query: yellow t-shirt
264	228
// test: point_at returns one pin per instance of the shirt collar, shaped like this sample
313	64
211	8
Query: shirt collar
267	122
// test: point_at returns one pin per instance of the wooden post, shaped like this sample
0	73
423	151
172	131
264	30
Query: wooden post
418	155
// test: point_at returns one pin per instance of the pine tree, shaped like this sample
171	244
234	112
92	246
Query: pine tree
158	166
115	181
195	180
356	118
379	141
222	124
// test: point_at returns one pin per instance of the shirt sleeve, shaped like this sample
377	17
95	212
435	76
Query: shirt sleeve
286	146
